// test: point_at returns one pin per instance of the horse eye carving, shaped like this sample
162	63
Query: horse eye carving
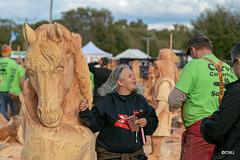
31	73
59	70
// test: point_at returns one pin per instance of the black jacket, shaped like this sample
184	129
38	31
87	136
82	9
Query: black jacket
223	128
100	75
109	117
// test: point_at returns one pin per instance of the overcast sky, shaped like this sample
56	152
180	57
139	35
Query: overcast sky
158	14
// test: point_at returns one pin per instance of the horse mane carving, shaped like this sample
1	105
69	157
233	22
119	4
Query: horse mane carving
58	80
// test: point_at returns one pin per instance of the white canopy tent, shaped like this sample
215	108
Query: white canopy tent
132	53
93	53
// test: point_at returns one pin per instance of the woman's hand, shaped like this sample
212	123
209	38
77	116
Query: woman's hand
83	105
141	122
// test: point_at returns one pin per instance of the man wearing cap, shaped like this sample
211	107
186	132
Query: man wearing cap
198	92
100	75
6	67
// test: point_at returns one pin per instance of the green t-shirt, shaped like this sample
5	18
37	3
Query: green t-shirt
92	80
6	67
15	88
200	81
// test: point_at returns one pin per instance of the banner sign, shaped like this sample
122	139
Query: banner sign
16	54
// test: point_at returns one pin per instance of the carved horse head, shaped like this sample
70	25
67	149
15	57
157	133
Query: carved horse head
54	58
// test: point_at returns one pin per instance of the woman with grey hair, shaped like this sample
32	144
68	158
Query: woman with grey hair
223	127
118	139
111	84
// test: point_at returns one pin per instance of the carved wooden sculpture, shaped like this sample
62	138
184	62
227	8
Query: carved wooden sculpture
166	75
58	79
113	64
150	83
136	70
168	55
78	38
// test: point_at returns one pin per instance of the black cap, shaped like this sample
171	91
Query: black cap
105	60
197	38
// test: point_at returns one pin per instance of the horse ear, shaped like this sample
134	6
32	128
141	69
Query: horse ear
29	34
78	38
55	33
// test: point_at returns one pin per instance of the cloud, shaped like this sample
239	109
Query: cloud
152	12
137	8
167	25
122	3
160	26
20	11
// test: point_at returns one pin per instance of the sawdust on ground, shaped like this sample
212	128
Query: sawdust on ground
170	149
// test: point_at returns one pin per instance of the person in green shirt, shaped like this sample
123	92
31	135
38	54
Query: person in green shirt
6	67
92	80
198	93
16	84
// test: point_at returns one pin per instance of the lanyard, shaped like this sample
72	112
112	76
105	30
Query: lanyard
219	69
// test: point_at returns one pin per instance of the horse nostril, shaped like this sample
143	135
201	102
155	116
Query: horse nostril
49	116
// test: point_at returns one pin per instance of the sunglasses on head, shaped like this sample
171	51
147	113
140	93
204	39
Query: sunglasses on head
234	62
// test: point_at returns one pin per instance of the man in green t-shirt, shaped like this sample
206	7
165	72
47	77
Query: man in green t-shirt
16	84
92	80
6	67
197	92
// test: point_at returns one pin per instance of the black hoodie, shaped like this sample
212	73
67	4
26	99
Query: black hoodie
223	127
109	116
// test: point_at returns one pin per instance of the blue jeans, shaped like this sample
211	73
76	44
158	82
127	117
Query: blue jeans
5	99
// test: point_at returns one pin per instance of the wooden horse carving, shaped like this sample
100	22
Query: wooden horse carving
58	80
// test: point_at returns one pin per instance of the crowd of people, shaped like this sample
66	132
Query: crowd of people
198	93
12	75
206	92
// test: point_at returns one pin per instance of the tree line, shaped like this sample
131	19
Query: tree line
221	25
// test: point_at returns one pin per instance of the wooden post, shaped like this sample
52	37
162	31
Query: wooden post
170	40
10	43
18	50
51	6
